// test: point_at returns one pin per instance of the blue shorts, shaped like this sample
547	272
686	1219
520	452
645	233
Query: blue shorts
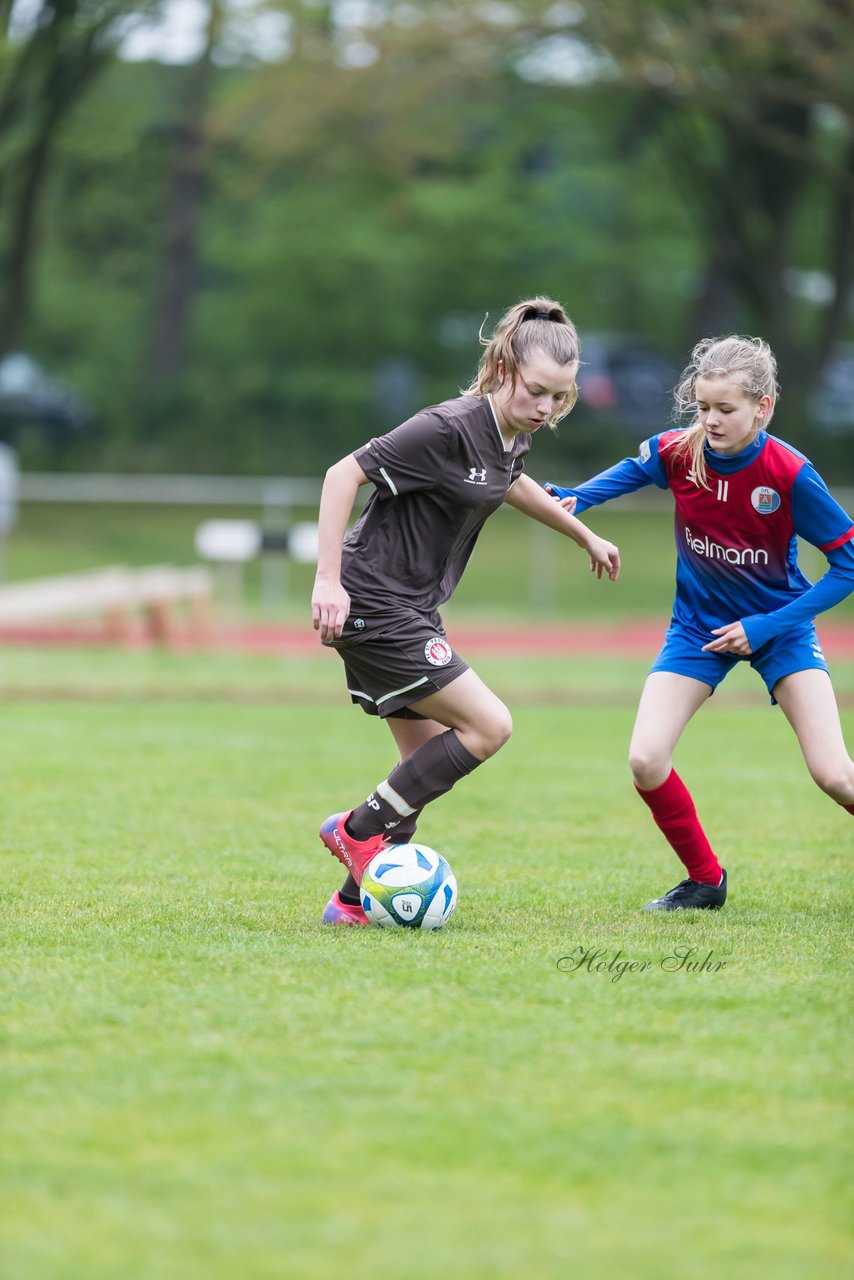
682	653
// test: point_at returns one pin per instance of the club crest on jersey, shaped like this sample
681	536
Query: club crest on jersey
438	652
765	500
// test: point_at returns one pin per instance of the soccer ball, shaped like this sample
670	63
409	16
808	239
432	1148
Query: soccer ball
408	886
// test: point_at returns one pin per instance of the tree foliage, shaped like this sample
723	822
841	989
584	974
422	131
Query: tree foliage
256	264
44	72
753	102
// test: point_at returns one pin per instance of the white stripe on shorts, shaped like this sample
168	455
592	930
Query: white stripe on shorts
357	693
405	689
392	797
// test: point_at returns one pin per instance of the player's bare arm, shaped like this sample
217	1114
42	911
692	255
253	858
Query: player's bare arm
330	603
529	498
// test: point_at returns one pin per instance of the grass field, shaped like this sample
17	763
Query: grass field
198	1080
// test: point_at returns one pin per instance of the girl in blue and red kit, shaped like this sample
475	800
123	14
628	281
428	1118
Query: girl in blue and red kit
743	498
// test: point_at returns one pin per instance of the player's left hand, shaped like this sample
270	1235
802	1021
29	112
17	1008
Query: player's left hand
731	639
604	558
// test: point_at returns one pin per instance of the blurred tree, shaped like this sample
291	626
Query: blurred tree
50	53
744	111
753	102
178	259
395	194
355	194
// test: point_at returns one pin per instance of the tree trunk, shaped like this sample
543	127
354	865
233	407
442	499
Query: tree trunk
16	301
178	280
53	71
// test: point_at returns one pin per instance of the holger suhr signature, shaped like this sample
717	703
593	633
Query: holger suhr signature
681	959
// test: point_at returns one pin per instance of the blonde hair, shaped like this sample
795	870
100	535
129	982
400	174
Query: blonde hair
539	324
748	361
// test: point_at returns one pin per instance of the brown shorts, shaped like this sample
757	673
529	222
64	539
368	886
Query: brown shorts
406	661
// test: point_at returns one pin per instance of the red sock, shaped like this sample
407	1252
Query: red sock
675	815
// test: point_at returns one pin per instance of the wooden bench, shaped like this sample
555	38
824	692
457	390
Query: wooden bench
116	595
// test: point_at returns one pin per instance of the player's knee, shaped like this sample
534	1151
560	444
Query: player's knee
835	778
496	731
649	768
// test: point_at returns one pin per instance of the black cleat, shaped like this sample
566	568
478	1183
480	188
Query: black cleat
690	893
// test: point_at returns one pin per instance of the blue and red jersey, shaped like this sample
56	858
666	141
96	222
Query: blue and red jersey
736	542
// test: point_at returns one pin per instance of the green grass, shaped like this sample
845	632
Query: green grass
199	1081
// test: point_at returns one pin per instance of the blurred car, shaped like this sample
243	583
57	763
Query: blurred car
831	405
30	398
627	381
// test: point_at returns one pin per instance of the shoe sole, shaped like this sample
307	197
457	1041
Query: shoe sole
709	906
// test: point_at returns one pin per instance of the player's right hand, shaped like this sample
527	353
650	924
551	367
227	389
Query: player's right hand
604	558
330	609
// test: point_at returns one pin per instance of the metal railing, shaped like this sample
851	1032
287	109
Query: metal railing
267	492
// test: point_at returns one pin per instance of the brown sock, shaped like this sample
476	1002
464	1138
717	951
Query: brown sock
424	776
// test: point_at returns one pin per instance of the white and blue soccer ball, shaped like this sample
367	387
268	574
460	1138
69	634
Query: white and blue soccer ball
408	886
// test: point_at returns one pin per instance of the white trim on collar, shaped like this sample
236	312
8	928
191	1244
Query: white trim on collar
504	445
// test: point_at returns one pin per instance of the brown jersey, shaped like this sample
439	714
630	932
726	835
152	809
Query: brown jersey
437	477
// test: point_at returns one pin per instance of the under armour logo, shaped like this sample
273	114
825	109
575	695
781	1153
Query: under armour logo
476	475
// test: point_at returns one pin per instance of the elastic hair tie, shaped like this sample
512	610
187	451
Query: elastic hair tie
542	315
